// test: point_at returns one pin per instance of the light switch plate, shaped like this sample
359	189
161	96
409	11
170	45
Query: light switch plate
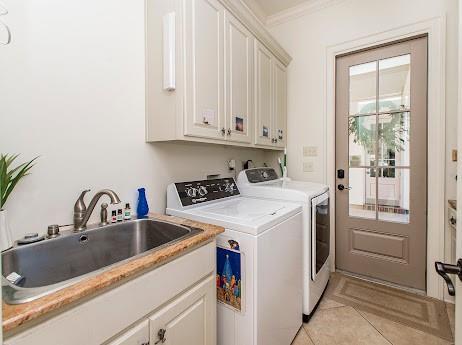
310	151
308	166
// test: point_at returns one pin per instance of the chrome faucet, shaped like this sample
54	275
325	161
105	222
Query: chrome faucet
82	214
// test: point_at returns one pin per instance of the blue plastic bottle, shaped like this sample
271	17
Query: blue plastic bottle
142	208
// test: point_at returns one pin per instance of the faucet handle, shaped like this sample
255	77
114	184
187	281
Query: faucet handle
79	205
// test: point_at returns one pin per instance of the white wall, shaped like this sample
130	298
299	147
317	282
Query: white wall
306	38
72	92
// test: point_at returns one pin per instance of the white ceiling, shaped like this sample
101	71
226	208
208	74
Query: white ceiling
270	7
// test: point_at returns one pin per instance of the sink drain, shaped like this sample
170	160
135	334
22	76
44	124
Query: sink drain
83	239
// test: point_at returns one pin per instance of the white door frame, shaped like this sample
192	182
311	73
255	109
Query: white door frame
435	28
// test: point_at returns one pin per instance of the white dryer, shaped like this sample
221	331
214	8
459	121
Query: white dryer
259	260
314	198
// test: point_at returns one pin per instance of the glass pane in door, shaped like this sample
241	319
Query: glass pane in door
363	88
362	202
393	191
394	83
362	140
394	140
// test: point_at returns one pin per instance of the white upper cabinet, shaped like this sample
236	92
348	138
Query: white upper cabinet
270	99
239	80
204	102
280	104
263	96
212	75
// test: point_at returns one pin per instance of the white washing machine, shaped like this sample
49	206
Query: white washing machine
259	260
314	198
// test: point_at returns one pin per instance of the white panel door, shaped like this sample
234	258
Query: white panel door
280	103
239	80
190	319
138	335
204	78
263	95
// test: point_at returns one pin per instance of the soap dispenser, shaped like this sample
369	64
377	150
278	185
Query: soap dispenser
143	208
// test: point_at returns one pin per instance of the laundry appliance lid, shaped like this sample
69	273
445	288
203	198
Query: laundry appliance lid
249	215
298	191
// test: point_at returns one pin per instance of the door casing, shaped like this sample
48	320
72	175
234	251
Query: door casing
435	28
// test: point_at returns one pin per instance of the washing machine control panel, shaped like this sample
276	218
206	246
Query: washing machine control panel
197	192
261	175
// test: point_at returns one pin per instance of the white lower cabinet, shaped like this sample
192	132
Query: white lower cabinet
138	335
190	319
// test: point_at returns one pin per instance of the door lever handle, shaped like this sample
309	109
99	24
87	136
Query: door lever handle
342	187
444	269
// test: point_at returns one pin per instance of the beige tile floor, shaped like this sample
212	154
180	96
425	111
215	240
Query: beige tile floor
337	324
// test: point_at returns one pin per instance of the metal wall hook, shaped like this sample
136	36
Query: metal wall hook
8	34
3	10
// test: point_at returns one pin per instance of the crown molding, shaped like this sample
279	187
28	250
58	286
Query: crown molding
242	12
256	9
303	9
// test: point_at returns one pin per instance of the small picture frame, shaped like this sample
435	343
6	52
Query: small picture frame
239	124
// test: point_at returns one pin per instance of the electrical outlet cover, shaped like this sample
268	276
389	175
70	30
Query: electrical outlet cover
308	166
310	151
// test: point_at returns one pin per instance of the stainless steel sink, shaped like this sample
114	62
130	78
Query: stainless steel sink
50	265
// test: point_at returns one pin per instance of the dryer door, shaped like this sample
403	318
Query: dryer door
320	233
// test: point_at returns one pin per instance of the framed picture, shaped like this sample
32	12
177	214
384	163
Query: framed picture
239	124
229	278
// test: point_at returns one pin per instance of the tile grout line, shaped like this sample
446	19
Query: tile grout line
370	323
309	337
308	333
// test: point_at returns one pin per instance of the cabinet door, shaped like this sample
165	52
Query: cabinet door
280	103
138	335
239	80
190	319
263	95
204	77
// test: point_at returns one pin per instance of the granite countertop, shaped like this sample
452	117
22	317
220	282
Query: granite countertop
453	204
17	315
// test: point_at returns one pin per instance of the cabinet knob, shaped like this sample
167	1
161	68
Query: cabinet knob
223	131
229	131
161	335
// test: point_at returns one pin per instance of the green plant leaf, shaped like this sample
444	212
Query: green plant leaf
9	177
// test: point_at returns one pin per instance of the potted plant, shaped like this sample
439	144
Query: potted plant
9	178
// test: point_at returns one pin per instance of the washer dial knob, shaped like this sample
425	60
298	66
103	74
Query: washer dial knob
202	191
191	192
